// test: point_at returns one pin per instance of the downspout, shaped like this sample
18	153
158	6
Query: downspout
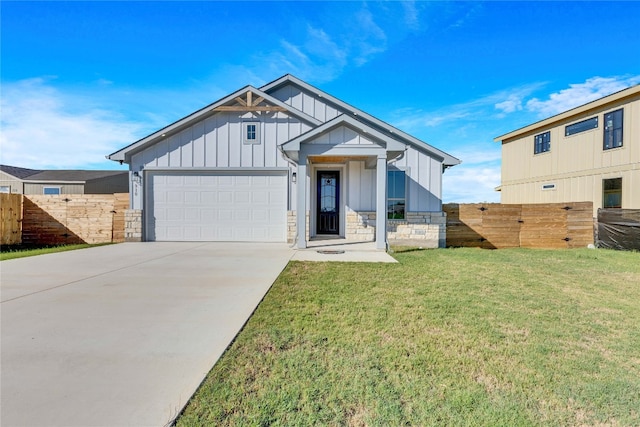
295	165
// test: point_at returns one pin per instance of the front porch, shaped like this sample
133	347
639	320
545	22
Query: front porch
420	229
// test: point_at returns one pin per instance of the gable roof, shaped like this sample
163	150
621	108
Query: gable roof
121	155
62	175
581	109
125	153
344	120
384	127
18	172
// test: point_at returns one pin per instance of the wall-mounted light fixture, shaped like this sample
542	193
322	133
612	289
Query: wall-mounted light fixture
294	177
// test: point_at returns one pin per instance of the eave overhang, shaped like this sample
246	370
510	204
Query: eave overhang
247	99
383	144
447	159
574	113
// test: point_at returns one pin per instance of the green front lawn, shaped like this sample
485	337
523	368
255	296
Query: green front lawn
22	251
445	337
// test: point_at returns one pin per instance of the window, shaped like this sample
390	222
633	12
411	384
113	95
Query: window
396	195
613	130
612	193
582	126
5	189
51	190
251	132
542	143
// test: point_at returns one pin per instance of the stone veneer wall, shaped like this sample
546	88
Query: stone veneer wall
361	226
425	229
291	226
133	225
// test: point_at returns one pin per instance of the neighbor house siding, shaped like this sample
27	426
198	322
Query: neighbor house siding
36	188
15	185
575	164
108	184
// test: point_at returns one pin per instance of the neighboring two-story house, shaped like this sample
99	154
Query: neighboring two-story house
589	153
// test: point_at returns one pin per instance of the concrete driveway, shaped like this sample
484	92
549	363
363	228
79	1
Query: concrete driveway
122	335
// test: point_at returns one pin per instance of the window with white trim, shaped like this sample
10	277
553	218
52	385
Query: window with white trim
396	194
51	191
251	131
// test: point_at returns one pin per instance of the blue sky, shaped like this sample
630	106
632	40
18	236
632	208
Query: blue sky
83	79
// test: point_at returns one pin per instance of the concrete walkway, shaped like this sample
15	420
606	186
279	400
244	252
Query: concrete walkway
330	249
122	335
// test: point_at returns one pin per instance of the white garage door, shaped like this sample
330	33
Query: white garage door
208	206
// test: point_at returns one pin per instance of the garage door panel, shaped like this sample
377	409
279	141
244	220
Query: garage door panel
243	197
211	206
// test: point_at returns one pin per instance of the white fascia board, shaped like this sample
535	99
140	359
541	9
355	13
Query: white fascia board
447	159
124	154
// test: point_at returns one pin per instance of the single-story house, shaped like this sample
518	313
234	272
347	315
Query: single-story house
242	168
18	180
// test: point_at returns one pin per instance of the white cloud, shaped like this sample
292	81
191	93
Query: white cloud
320	53
511	104
411	14
481	109
43	127
471	184
579	94
478	154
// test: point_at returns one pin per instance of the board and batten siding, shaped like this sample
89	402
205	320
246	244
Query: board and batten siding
306	102
361	187
342	136
217	142
424	181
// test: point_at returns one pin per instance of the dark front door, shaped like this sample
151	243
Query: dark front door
328	213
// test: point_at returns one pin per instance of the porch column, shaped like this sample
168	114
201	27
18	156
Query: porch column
381	202
301	201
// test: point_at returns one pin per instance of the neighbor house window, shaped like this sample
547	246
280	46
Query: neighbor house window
251	132
5	189
396	194
51	191
612	193
613	129
582	126
542	143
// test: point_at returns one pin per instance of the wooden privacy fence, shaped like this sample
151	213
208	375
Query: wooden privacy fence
11	217
74	218
494	226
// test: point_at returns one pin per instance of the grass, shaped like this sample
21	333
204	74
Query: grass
22	251
444	338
